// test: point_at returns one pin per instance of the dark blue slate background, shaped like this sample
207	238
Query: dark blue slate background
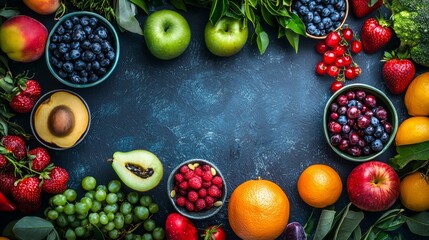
253	115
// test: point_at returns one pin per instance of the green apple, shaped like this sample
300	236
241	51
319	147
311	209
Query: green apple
167	34
227	37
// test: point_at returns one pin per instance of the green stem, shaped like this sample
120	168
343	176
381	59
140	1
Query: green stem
4	83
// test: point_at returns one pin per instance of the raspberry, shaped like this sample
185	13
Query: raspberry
202	192
184	169
179	177
205	167
209	201
183	185
214	191
198	171
206	184
217	180
189	175
180	201
189	206
207	176
200	204
219	185
192	196
182	192
195	182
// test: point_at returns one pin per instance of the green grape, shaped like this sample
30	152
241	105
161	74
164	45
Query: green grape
90	194
100	195
81	216
52	214
158	233
61	220
104	219
113	234
126	208
51	202
70	234
114	186
141	212
147	236
121	196
69	209
94	218
129	236
137	237
59	209
119	220
84	222
45	212
89	183
111	208
79	231
81	208
128	219
87	201
75	223
133	197
59	200
70	194
145	200
71	218
101	187
111	216
149	225
109	226
96	206
153	208
111	198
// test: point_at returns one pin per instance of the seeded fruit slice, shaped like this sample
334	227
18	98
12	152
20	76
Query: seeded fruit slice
140	170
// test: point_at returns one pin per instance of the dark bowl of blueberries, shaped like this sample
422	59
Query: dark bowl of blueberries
360	122
82	49
321	17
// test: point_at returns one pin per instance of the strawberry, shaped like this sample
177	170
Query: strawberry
362	8
3	161
397	73
16	145
6	183
32	89
375	34
40	158
57	181
27	190
178	227
21	103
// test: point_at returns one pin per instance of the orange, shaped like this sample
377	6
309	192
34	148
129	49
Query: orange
319	185
417	96
414	193
412	130
258	210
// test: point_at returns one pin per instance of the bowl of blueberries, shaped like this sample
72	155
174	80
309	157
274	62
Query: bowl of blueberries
321	17
82	49
359	122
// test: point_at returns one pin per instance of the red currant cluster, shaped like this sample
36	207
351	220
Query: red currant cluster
337	49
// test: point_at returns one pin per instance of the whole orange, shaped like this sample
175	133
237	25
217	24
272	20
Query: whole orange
319	185
414	193
258	210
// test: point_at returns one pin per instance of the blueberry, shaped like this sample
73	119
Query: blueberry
326	2
319	8
305	1
75	79
303	10
342	120
327	22
308	17
369	130
79	65
74	54
96	48
342	15
87	30
340	5
325	12
311	29
75	20
60	30
297	5
101	71
77	27
78	35
312	6
377	145
66	56
68	24
320	26
84	21
105	46
337	24
93	21
67	38
63	48
56	38
366	150
75	45
379	130
68	67
100	56
316	19
332	2
53	60
88	67
111	55
52	46
83	73
62	74
92	77
95	65
105	62
88	56
86	44
335	16
374	121
331	8
368	138
102	32
59	64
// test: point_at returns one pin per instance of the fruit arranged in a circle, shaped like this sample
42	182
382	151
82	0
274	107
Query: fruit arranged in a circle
139	169
417	96
412	130
358	125
197	187
320	17
258	209
82	49
415	192
315	182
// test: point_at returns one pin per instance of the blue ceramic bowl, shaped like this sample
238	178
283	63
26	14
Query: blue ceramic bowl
114	40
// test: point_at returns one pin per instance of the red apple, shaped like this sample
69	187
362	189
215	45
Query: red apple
373	186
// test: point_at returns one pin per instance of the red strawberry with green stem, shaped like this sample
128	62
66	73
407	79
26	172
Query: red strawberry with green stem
27	190
15	144
178	227
362	8
375	34
57	181
39	158
398	72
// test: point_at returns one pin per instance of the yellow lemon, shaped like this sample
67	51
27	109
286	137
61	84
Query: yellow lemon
417	96
413	130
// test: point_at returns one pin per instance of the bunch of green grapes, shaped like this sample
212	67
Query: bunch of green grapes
104	209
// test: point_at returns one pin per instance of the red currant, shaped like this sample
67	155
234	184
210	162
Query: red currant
321	68
335	86
339	50
321	47
333	70
356	46
347	60
329	57
333	39
350	73
347	34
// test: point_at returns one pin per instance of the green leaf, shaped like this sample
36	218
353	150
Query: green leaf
268	18
7	12
98	234
142	4
408	153
348	224
250	14
7	231
357	233
218	10
419	223
253	3
53	235
179	4
325	223
32	228
293	39
125	16
235	9
310	224
262	39
372	3
382	236
296	25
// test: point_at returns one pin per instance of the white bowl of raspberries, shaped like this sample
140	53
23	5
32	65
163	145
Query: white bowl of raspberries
197	189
